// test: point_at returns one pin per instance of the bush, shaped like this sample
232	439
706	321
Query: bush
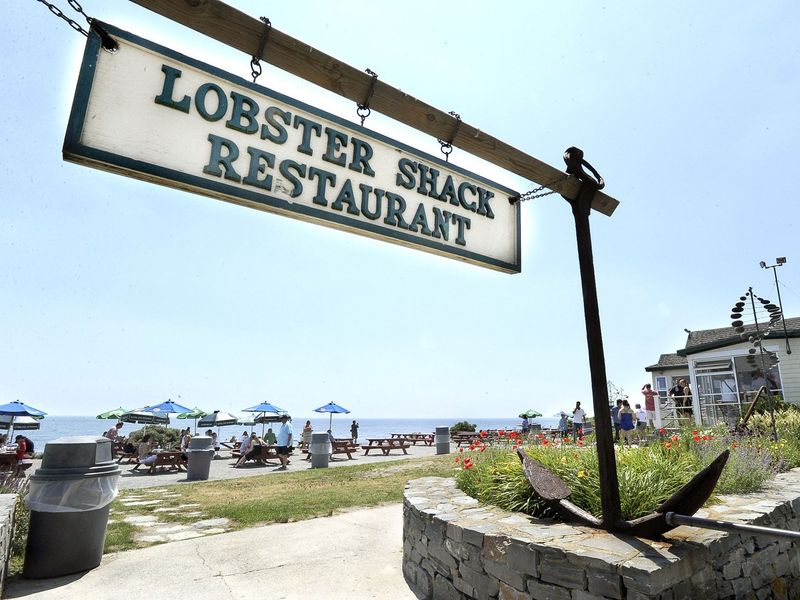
463	426
647	475
163	437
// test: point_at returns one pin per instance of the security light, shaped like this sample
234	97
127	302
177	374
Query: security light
763	264
781	260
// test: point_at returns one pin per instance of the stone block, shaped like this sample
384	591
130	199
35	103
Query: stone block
419	578
463	587
443	589
504	574
544	591
455	532
523	558
509	593
484	585
494	548
732	570
742	588
456	549
561	573
604	583
781	564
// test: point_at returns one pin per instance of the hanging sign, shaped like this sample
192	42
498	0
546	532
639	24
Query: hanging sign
154	114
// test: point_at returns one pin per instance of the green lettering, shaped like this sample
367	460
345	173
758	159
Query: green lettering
217	158
165	97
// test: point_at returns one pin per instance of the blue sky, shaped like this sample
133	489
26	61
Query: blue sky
118	292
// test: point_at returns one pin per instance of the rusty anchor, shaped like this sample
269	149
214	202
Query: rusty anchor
545	483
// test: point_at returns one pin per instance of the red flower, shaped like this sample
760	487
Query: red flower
707	438
460	449
696	438
662	431
545	443
667	445
695	433
457	460
483	448
501	433
674	438
734	445
540	436
468	466
580	442
483	434
472	446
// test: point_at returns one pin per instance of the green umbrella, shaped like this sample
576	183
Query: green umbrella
195	413
530	414
113	414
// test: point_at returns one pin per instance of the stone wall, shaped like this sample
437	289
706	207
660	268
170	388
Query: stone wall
455	548
7	505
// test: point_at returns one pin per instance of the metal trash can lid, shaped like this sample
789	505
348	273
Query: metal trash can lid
200	442
78	456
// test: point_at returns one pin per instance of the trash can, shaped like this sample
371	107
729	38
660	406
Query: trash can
442	440
69	498
320	450
201	453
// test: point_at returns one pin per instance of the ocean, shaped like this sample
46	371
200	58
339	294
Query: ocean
54	427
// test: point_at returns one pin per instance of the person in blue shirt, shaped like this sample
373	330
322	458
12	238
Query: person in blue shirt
284	440
627	423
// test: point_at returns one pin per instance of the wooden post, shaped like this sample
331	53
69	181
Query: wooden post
243	32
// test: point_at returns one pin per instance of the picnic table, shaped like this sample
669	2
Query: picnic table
413	438
266	452
8	462
169	460
386	445
465	437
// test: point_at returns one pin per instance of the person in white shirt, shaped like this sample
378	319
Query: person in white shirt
578	419
641	422
284	439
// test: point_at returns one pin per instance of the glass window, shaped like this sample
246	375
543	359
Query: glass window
751	377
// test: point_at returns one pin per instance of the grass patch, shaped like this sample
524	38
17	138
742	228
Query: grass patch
265	499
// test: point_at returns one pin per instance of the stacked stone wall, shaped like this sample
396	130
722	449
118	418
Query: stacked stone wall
455	548
7	507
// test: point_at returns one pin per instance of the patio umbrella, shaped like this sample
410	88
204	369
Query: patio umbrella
530	414
195	414
331	408
167	407
22	423
218	419
18	409
113	414
143	416
264	408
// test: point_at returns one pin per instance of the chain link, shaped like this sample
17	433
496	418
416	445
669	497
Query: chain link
537	192
447	147
255	61
74	24
363	110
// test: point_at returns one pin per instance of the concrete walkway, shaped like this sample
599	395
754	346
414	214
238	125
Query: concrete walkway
352	555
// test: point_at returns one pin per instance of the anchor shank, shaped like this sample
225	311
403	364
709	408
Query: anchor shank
609	484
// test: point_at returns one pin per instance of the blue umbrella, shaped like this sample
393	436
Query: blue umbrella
265	407
167	407
331	408
18	409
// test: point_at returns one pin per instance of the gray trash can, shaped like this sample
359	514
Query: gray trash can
201	453
69	498
320	450
442	440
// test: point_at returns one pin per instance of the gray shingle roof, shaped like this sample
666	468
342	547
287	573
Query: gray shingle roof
669	361
707	339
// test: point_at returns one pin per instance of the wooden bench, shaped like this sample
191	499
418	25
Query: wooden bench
170	461
8	462
267	453
386	445
344	447
413	438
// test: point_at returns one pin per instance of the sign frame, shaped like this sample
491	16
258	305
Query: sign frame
75	150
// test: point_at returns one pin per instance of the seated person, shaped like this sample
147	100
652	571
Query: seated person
145	451
244	448
270	437
128	447
29	449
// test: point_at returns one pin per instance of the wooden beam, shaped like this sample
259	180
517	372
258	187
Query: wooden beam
243	32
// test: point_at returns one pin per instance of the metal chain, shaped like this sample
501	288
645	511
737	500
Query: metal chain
255	62
447	147
77	7
537	192
363	110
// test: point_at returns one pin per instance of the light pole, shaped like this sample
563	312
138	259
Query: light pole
779	262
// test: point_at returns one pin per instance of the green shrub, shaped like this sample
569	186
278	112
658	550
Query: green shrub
463	426
647	475
164	437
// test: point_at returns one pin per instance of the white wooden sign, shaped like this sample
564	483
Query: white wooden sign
152	113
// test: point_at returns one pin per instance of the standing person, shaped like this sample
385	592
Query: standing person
627	423
578	418
687	398
526	425
650	404
354	431
676	393
615	418
305	441
284	439
641	422
563	425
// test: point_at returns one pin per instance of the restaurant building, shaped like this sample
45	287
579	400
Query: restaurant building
722	379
